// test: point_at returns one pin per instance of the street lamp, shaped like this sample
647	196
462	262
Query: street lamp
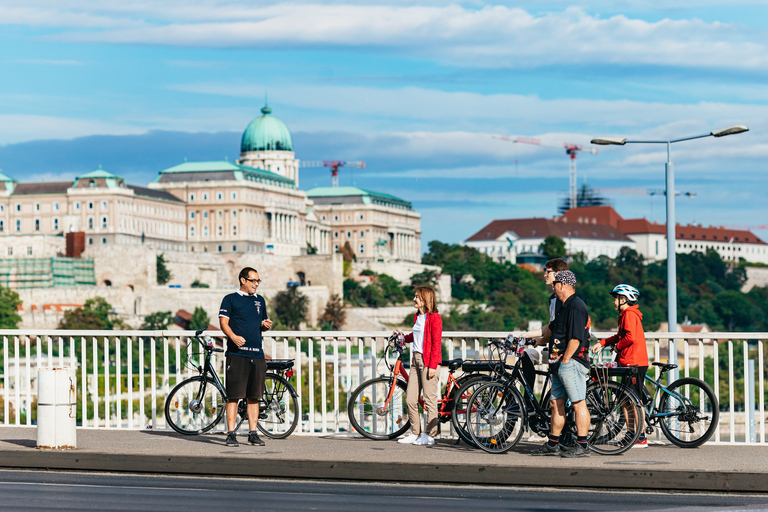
670	191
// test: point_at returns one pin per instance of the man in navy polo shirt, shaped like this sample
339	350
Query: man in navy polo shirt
243	315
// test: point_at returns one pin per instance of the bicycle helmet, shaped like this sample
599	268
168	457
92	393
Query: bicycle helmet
630	292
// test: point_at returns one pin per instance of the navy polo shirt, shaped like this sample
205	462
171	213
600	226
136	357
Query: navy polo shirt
245	313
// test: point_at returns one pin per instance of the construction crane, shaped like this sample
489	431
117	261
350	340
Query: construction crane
334	165
640	191
570	150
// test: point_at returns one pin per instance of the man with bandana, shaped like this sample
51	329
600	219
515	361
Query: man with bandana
568	366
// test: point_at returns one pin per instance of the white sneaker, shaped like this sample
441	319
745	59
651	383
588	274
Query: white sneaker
424	440
409	439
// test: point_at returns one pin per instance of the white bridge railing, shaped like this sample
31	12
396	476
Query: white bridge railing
124	376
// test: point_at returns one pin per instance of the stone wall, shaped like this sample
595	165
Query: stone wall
756	276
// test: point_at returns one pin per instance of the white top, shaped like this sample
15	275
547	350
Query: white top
418	333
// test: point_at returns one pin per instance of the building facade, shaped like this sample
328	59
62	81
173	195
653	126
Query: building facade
377	226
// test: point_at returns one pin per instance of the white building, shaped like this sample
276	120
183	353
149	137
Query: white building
504	240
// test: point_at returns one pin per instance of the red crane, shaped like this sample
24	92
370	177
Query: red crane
570	150
334	165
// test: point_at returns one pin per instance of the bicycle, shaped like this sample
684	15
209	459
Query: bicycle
688	417
197	404
377	408
497	415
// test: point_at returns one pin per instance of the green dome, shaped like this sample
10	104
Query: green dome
266	133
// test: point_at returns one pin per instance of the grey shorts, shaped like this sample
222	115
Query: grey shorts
570	381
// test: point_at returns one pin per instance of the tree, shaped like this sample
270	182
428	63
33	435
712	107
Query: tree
334	314
199	319
291	307
96	314
163	274
9	305
157	321
197	284
553	247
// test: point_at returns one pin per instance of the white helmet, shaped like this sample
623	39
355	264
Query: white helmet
630	292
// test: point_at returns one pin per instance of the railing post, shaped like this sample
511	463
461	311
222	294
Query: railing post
731	390
107	411
761	387
324	385
96	395
118	384
129	380
27	357
311	382
83	379
298	384
141	382
716	373
335	342
748	402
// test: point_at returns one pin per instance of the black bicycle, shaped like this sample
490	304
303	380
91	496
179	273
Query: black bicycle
497	415
197	404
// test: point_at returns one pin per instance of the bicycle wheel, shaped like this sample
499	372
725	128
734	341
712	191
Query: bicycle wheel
195	406
615	423
372	416
278	408
461	396
691	420
495	417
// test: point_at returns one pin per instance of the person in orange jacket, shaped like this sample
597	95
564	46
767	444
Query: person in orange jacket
629	342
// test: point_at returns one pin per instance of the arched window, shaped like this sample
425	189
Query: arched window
104	222
191	231
90	222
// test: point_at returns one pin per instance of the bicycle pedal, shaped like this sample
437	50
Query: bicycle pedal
262	415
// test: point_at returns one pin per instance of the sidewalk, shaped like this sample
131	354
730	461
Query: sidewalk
341	457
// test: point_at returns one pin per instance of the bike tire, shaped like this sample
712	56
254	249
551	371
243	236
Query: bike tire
615	417
278	408
697	420
496	417
194	406
367	415
467	386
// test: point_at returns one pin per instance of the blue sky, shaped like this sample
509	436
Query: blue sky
416	89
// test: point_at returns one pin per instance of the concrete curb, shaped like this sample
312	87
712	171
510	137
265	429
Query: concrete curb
448	473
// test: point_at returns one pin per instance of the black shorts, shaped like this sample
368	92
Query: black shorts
245	377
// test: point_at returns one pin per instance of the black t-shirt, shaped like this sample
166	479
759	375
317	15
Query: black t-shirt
571	322
245	313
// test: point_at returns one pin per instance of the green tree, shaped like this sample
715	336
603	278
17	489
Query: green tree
353	292
197	284
334	315
163	274
291	307
157	321
9	306
96	314
553	247
199	320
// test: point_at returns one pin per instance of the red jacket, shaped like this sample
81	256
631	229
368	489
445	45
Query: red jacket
433	339
630	340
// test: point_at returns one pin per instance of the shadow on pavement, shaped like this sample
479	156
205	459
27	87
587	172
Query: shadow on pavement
29	443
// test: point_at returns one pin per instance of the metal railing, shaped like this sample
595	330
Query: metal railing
124	376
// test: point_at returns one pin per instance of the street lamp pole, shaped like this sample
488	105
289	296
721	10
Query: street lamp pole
671	238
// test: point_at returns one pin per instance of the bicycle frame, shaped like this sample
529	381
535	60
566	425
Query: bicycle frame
653	415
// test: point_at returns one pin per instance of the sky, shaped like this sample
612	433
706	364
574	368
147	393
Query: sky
416	89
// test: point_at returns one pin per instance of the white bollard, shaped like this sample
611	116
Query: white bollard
56	408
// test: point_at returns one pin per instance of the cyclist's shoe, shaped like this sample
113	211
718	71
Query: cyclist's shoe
253	438
409	439
232	439
424	440
577	451
641	443
545	450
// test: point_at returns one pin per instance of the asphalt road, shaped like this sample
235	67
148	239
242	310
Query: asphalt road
52	490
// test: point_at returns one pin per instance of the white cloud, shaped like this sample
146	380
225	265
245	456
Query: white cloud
492	36
18	128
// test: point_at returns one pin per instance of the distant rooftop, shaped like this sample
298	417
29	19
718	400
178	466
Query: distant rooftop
352	195
221	170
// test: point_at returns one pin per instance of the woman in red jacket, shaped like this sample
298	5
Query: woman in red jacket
629	342
426	353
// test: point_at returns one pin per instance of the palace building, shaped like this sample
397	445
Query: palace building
252	205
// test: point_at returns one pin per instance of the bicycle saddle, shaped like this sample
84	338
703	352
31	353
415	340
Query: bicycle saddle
280	364
665	367
453	364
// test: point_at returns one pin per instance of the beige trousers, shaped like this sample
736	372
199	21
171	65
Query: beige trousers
419	384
